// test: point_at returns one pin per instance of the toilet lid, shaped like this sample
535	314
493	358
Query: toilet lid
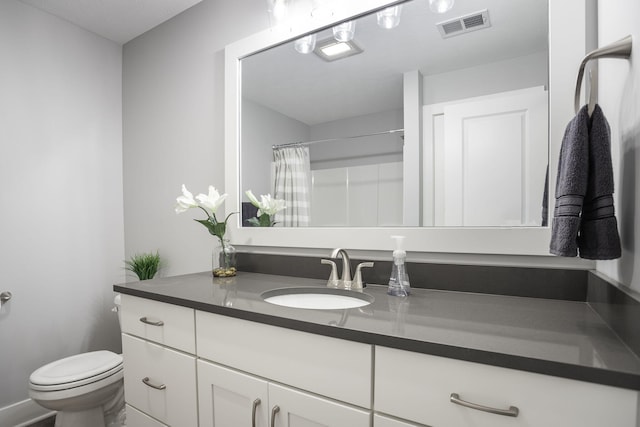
83	368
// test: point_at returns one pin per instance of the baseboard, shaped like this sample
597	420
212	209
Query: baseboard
23	414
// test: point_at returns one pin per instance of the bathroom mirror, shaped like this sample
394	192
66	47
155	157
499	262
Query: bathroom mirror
482	108
566	48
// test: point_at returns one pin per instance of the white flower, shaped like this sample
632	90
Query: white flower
186	201
213	200
267	204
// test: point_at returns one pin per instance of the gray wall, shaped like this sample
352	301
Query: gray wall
262	128
173	115
62	241
511	74
619	97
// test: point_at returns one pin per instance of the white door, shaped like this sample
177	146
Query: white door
291	408
230	398
490	159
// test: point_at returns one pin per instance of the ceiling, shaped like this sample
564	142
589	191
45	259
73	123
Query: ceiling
312	91
116	20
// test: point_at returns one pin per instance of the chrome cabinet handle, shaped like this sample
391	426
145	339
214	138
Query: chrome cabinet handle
511	412
151	322
148	382
274	412
254	409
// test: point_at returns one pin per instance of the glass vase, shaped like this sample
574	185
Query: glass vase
224	260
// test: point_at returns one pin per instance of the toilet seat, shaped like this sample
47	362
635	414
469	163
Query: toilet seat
76	371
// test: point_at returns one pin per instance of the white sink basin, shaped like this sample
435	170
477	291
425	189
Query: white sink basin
317	298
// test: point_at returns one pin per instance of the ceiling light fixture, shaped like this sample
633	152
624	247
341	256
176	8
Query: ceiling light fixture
331	49
440	6
305	44
390	17
344	32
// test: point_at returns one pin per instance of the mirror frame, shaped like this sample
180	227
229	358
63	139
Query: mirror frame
566	50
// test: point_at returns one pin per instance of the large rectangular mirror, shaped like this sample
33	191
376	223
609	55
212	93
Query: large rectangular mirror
420	89
435	120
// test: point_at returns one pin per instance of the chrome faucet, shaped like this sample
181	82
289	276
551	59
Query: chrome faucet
345	281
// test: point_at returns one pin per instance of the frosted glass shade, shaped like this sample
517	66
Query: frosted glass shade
440	6
390	17
344	32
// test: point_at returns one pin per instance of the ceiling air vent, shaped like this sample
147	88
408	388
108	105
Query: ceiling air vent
464	24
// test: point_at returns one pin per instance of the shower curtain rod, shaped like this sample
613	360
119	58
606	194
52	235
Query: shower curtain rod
291	144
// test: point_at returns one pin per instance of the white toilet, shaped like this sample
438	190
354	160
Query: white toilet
86	389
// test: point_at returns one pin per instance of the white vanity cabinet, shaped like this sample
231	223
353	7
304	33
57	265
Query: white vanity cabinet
331	367
188	368
231	398
418	387
158	342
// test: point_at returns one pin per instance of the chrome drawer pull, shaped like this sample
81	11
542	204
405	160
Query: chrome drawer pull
511	412
274	411
151	322
147	382
254	409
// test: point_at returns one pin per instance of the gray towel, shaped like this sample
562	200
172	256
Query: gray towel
585	185
571	186
599	238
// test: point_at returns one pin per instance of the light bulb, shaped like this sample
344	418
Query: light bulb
344	32
440	6
278	11
389	18
305	44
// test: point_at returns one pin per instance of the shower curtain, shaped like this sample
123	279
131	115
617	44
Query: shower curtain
292	180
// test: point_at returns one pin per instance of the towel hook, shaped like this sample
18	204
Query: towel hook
617	49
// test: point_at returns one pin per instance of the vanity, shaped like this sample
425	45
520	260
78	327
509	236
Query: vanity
204	351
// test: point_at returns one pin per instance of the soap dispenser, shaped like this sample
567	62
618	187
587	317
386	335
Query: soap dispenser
399	281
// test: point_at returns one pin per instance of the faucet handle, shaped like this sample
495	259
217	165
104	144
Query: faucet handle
357	279
333	278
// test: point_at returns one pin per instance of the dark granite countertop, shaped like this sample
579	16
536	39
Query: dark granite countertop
554	337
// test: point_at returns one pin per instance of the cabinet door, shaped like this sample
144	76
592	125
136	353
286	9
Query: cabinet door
292	408
230	398
160	382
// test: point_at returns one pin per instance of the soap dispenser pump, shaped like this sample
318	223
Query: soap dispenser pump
399	281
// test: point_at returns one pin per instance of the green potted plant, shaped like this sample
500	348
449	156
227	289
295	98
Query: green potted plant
145	265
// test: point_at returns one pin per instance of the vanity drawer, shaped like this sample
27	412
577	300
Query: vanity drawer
418	387
139	419
327	366
167	324
160	382
382	421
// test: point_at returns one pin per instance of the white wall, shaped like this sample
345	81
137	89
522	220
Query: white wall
619	97
62	242
173	114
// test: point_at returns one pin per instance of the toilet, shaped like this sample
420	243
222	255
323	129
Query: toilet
85	389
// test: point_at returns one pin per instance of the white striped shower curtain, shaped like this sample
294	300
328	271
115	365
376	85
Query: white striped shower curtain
292	181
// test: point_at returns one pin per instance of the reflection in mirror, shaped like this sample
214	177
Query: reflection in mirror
464	91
